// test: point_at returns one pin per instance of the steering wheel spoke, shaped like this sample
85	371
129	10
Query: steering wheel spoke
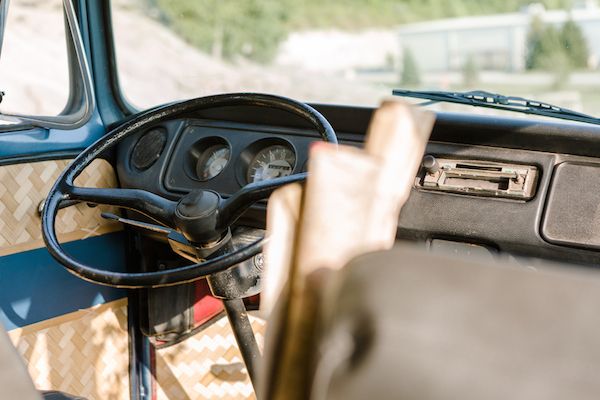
232	208
151	205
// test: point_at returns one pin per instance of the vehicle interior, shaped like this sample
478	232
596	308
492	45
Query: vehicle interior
132	237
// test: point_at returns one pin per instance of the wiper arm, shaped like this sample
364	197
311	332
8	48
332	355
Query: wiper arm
480	98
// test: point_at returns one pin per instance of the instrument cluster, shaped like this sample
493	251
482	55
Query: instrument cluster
209	155
260	161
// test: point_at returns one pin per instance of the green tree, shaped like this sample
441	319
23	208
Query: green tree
231	28
549	48
410	74
551	57
543	44
574	44
556	51
535	36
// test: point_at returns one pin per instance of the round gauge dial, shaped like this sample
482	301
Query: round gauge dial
212	161
271	162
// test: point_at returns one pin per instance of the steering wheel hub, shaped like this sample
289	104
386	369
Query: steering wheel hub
196	216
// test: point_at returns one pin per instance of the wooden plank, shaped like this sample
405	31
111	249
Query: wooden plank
349	206
283	215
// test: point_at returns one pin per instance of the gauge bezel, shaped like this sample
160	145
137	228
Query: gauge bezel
153	159
252	150
198	149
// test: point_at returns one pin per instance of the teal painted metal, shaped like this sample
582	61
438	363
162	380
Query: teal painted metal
33	287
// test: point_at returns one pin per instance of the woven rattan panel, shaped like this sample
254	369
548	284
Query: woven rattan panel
207	365
83	353
23	186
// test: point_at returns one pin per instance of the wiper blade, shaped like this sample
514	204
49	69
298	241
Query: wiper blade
480	98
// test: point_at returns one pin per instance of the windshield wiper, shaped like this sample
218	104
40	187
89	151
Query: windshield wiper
480	98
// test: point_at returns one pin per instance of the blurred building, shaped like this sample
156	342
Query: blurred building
494	42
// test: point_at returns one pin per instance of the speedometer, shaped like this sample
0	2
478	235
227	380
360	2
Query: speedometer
271	162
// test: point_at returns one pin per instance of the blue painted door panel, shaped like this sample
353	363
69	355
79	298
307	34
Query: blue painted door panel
33	287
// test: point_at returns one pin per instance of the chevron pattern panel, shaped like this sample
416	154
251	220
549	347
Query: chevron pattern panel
207	365
24	186
84	353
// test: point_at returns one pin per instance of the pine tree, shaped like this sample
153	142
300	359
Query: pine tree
410	69
535	38
574	44
548	47
229	29
545	47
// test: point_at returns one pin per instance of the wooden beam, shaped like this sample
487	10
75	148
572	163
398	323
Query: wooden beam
349	206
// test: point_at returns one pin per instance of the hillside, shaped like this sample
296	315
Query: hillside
156	65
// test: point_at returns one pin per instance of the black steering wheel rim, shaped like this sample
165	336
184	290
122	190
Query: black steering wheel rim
64	187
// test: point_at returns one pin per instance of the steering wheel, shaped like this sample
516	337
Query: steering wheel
201	216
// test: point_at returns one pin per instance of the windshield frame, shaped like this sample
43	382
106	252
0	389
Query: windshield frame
118	106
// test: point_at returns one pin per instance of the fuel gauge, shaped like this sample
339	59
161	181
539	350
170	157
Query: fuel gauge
212	161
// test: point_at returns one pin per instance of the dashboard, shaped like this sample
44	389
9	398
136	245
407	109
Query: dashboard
229	157
202	154
553	217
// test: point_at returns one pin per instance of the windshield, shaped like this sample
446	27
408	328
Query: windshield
356	52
